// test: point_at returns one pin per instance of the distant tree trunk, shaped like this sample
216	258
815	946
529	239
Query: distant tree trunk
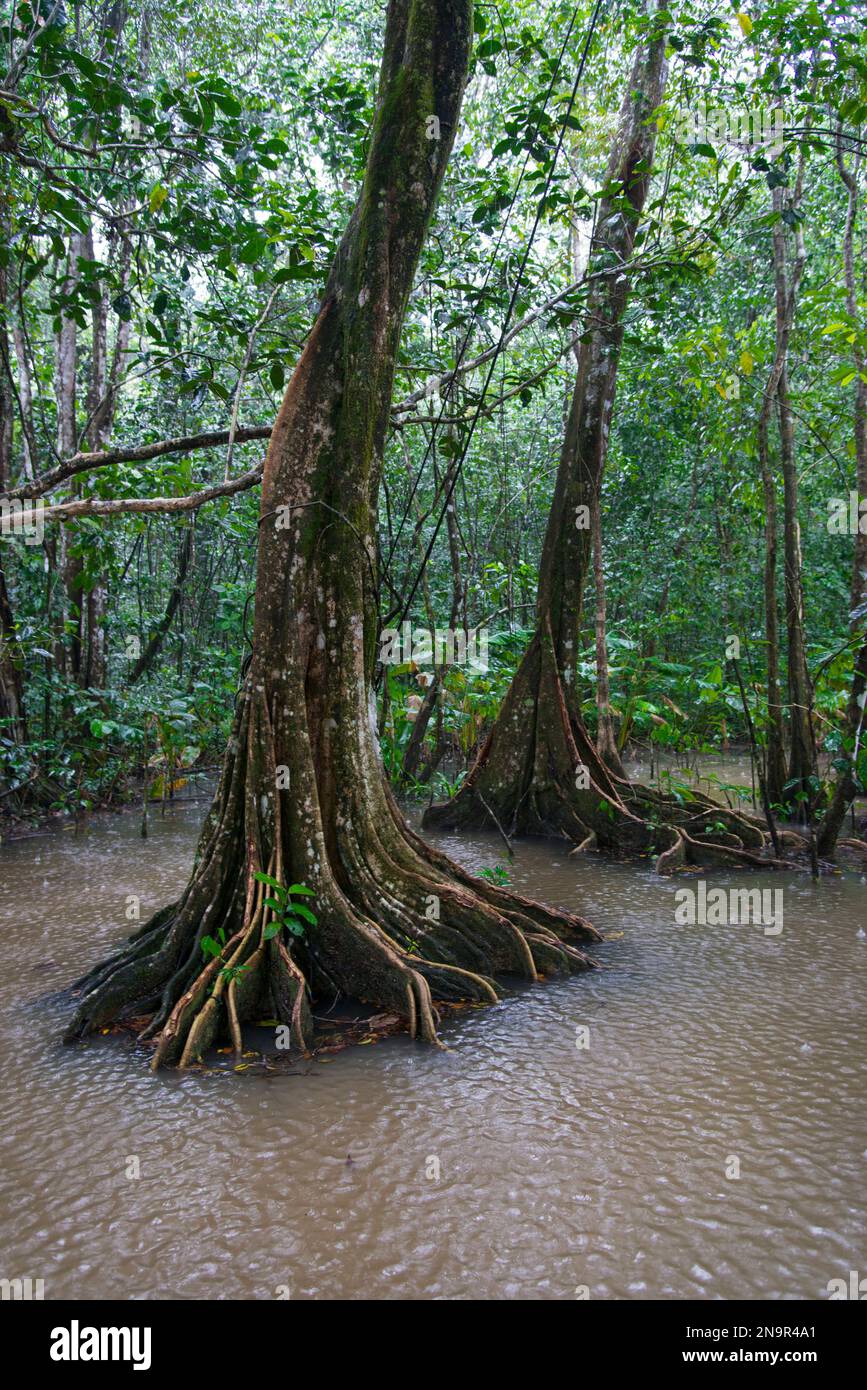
606	738
102	398
802	752
302	793
785	296
25	396
13	718
158	636
68	648
775	756
847	784
413	765
94	666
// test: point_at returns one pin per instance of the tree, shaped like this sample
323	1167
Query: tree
539	771
847	782
302	797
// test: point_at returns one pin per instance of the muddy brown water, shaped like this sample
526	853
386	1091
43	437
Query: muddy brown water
559	1167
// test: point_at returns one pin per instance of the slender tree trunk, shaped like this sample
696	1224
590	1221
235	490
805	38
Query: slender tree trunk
25	396
539	772
68	649
775	756
847	784
13	718
302	793
158	636
802	752
99	420
432	703
606	738
785	296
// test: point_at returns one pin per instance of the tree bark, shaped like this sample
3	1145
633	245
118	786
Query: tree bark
302	793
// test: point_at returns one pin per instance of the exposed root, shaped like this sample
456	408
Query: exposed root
399	926
539	774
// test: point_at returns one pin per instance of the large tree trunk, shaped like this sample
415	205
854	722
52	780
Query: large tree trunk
302	793
847	783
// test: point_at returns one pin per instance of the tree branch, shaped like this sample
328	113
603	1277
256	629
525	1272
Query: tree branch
141	453
122	506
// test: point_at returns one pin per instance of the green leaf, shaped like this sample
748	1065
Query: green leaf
299	910
272	882
158	197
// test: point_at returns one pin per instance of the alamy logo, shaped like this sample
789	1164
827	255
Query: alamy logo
847	516
23	518
761	907
855	1289
744	127
22	1290
77	1343
444	647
